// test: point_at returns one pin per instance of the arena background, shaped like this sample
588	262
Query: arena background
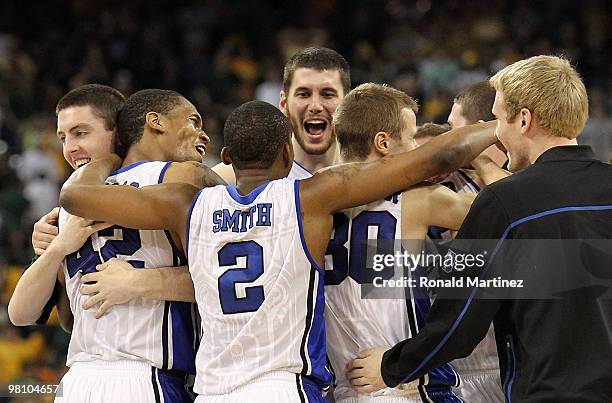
221	53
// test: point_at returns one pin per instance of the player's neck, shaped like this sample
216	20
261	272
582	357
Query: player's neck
138	153
544	143
315	162
249	179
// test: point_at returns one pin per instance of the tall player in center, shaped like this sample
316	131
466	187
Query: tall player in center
315	80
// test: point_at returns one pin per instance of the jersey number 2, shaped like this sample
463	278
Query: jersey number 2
254	296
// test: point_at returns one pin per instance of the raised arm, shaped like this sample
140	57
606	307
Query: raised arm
354	184
150	207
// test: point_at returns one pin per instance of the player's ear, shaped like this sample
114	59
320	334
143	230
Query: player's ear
153	121
225	156
381	143
287	152
525	119
282	103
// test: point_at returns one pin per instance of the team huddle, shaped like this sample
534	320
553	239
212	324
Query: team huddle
249	275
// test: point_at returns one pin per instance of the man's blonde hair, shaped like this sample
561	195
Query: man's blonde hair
550	88
366	110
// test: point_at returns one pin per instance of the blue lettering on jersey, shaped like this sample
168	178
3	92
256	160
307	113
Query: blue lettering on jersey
242	220
394	198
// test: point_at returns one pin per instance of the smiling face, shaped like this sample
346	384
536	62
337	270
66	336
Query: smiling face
186	140
83	135
509	134
309	104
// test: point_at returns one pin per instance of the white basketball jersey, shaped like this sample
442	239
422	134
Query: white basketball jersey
298	172
355	324
159	332
259	294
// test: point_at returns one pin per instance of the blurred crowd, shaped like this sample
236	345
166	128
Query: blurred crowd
222	53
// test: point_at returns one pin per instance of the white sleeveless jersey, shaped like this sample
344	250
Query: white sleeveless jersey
260	301
298	172
161	333
355	324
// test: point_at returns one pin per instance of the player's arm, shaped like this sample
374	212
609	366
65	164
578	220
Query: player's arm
354	184
430	204
117	282
36	286
226	172
454	326
150	207
488	170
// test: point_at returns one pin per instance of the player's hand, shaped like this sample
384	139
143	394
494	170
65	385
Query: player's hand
364	372
75	231
114	286
45	231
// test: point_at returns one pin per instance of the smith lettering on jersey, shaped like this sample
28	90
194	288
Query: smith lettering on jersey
259	295
163	334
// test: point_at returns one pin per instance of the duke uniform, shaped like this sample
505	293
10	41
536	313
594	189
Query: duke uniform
140	351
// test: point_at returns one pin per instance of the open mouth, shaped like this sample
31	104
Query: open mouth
81	161
201	149
315	127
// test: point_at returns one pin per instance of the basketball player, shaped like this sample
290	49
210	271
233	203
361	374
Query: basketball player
150	363
480	370
374	121
256	250
472	105
315	80
552	347
86	121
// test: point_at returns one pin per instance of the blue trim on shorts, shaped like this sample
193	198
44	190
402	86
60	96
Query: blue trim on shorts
174	386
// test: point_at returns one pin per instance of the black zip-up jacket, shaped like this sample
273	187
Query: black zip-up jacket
550	349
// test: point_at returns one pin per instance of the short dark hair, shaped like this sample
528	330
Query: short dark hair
366	110
105	102
320	59
431	130
476	101
254	133
132	118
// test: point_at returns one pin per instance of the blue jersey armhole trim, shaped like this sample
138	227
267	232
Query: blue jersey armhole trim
128	167
163	172
302	166
493	254
195	199
298	215
248	199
